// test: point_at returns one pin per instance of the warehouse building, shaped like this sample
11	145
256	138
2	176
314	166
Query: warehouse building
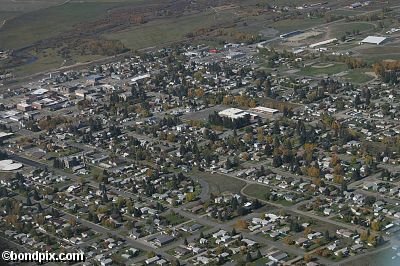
264	111
374	40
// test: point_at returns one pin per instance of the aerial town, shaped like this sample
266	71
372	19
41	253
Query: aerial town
279	150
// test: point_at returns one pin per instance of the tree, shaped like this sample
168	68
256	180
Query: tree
327	236
175	263
308	257
372	240
241	224
288	240
258	254
248	257
190	196
151	254
364	236
233	233
376	226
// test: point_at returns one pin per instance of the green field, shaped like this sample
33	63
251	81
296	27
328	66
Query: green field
27	5
296	24
322	71
6	15
164	31
46	23
258	191
358	76
338	30
220	183
48	59
373	53
174	218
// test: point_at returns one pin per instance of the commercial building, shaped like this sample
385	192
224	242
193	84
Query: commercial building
377	40
314	45
233	113
264	111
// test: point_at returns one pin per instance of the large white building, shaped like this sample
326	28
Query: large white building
260	110
314	45
374	40
233	113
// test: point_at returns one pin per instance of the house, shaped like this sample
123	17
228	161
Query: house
327	211
344	233
357	247
314	235
163	240
218	234
278	256
106	262
249	242
343	251
301	241
203	259
152	260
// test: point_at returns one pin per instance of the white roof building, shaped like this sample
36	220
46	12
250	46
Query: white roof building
374	40
9	165
233	113
314	45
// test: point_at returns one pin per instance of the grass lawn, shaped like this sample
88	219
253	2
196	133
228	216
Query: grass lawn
258	191
321	71
358	76
49	59
174	218
220	183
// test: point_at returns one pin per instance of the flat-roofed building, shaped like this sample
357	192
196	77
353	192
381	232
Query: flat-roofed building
377	40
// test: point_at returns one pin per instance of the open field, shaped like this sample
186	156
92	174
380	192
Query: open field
258	191
27	5
295	24
203	114
305	35
49	59
373	53
43	24
6	15
220	183
165	30
358	76
340	29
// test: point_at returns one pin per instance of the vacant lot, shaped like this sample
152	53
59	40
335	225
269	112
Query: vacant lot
322	71
204	114
220	183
